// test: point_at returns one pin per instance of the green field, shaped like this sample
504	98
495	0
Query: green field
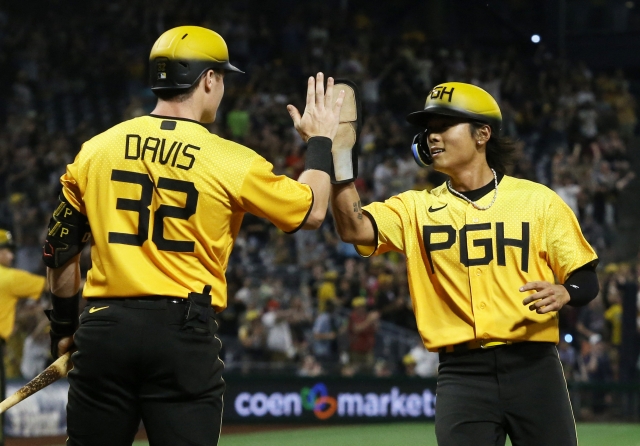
591	434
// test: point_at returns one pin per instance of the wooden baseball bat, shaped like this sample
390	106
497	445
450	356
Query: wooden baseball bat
54	372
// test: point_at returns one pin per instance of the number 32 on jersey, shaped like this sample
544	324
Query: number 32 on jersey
142	207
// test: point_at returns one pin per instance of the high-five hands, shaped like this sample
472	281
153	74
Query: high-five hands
321	114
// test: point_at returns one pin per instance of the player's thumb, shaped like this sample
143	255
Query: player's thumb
295	115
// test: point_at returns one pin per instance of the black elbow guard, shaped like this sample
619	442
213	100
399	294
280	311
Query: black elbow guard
67	234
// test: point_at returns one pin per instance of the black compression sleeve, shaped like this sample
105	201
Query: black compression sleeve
66	308
582	286
64	319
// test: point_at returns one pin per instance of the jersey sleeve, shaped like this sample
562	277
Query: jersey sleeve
567	249
71	187
388	222
284	202
26	285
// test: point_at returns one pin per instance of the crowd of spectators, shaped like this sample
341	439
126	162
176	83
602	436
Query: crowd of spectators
307	303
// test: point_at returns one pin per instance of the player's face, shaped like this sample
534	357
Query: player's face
6	257
450	142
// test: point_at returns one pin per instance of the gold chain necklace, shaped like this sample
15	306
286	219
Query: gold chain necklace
473	203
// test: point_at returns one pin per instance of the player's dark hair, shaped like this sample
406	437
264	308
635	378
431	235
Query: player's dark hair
182	95
500	151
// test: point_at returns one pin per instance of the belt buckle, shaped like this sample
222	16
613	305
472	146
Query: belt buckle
486	343
491	344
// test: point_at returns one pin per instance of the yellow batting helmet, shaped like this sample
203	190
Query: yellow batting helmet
182	54
6	239
460	100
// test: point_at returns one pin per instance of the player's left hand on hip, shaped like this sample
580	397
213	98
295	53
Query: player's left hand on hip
548	297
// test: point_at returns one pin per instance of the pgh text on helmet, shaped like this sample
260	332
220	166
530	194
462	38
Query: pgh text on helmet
460	100
181	55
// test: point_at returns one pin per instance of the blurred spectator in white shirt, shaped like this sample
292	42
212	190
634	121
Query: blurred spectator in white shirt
569	190
421	362
36	351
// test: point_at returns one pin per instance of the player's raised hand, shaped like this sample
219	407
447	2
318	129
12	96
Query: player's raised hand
321	114
548	296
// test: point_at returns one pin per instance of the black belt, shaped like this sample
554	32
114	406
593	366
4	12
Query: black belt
195	311
139	302
472	345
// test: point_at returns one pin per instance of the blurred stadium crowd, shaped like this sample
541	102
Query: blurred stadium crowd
306	303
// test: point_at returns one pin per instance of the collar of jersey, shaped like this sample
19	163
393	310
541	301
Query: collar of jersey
175	118
473	195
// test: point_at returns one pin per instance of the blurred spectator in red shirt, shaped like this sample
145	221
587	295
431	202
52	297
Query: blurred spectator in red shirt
363	325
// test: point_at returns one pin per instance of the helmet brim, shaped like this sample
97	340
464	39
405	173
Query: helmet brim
228	67
420	118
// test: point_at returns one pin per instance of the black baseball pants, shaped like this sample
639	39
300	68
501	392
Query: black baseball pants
136	361
518	390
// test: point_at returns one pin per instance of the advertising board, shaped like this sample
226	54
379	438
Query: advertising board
329	399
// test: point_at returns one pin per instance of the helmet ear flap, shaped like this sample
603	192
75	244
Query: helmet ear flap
420	150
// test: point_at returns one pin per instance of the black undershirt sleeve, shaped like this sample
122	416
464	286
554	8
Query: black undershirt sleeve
582	286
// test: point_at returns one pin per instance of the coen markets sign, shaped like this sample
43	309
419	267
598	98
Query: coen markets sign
324	406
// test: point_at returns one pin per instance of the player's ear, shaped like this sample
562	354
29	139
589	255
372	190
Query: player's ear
209	80
482	134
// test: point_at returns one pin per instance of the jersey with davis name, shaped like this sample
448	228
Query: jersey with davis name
465	266
165	200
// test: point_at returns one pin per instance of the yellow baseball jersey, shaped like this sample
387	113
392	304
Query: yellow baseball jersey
165	200
16	284
465	266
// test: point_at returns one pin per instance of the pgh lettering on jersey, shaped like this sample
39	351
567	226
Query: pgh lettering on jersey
165	199
462	262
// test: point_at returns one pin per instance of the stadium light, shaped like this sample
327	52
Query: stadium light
535	38
568	338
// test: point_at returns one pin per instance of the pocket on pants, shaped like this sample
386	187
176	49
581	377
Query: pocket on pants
197	367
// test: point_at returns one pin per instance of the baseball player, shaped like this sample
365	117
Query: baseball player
15	284
484	254
162	200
